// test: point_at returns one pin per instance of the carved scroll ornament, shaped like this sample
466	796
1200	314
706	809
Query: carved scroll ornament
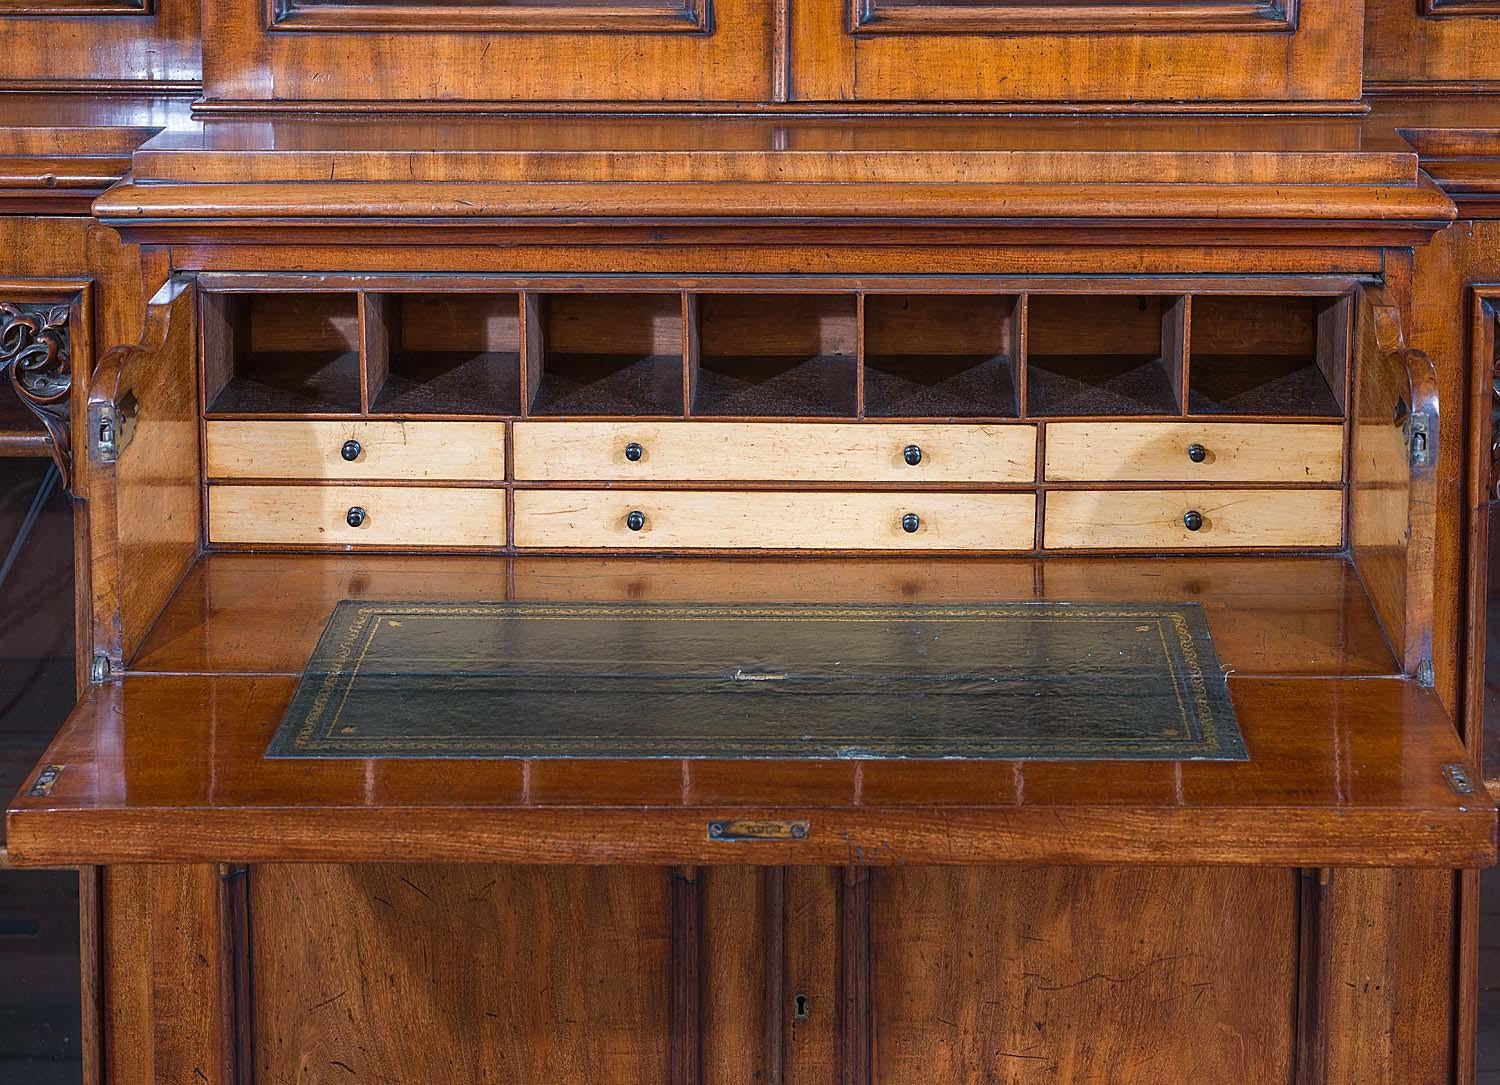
35	346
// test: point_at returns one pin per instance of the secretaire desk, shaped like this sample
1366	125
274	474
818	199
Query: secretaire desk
727	310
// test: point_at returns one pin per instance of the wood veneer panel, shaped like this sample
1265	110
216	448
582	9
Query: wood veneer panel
147	506
419	451
246	61
1392	956
154	46
831	62
389	516
263	613
1407	46
1158	452
506	974
1341	772
813	956
561	519
768	451
736	971
1118	975
1155	519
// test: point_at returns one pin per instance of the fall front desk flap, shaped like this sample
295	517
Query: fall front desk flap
629	680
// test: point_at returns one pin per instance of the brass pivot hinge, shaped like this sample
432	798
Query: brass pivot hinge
1418	431
112	425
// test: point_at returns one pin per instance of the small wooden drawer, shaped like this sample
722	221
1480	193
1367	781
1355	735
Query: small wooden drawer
774	452
1194	452
1163	519
357	450
595	519
386	516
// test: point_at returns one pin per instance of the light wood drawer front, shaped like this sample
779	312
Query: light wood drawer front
1159	452
796	521
1157	519
399	451
393	515
775	452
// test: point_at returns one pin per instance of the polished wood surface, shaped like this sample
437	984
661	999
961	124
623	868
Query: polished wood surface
769	520
170	768
101	46
263	613
830	62
409	451
540	973
247	61
1161	519
1159	452
225	656
790	452
1138	954
342	516
1249	242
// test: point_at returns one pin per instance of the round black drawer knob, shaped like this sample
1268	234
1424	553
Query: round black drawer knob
910	522
1197	453
633	452
355	517
635	520
351	450
1192	520
912	454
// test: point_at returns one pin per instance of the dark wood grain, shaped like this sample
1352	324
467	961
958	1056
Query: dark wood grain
172	767
1093	974
520	973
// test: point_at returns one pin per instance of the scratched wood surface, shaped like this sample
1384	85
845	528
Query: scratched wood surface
475	973
1083	975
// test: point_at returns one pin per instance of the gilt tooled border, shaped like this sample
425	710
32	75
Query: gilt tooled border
1201	726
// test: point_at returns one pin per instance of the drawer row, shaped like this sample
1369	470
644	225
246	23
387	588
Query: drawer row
894	453
558	519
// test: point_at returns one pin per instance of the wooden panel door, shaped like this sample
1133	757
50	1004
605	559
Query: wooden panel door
145	45
1413	45
427	51
1061	51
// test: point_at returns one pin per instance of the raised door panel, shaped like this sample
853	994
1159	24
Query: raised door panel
1086	975
451	50
62	44
1054	51
1425	42
416	974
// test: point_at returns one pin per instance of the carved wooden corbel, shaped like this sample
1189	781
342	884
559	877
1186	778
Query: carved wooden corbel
36	347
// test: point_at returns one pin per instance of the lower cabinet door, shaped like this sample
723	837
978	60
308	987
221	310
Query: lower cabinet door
665	520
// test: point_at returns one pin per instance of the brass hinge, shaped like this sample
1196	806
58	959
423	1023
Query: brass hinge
112	425
1458	778
45	780
1418	432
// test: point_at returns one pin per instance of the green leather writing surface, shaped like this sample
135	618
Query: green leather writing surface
631	680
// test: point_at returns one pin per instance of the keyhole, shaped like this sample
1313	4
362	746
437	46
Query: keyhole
799	1011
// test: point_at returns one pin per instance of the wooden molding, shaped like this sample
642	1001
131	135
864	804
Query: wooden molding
77	7
442	16
1458	7
1080	16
